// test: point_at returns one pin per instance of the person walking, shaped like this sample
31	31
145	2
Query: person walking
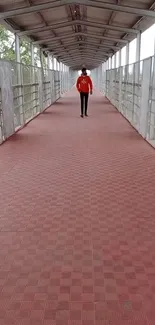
84	86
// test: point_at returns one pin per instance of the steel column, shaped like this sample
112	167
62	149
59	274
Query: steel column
120	58
110	63
33	79
127	54
32	54
138	47
19	76
115	61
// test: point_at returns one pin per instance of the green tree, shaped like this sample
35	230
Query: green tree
7	48
25	52
7	44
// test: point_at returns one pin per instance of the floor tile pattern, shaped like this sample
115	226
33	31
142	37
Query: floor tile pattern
77	220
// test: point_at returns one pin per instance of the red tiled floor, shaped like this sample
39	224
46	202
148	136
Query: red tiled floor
77	220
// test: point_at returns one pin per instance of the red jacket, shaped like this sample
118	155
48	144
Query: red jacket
84	84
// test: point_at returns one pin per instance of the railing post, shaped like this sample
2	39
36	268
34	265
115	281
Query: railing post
126	70
60	65
104	78
127	54
120	88
49	78
33	81
110	63
52	61
144	110
41	80
32	54
152	104
62	77
19	80
48	61
7	125
115	61
120	58
138	46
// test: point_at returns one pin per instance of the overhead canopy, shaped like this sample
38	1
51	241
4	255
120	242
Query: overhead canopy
82	32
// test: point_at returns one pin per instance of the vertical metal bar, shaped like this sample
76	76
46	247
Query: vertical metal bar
144	110
138	47
107	68
127	54
104	78
49	79
60	76
34	107
32	54
115	61
56	65
110	63
42	59
120	58
120	88
41	81
48	73
19	76
17	48
152	104
52	62
65	76
48	61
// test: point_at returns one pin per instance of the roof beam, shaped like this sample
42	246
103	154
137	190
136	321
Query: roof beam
100	37
81	52
76	48
89	23
79	57
73	44
82	62
90	3
69	41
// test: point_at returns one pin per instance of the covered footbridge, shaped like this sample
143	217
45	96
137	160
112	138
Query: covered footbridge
77	220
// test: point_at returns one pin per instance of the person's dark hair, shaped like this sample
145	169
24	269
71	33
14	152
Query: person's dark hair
84	70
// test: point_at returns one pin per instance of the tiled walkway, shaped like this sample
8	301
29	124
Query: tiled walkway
77	220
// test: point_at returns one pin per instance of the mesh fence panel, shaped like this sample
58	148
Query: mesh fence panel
131	89
123	89
33	90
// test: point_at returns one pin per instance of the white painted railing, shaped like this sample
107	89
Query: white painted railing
26	91
131	89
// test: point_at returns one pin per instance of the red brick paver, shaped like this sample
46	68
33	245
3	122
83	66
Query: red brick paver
77	220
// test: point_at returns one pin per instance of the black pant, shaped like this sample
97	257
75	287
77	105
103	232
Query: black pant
84	100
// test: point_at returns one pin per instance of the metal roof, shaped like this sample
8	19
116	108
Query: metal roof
78	32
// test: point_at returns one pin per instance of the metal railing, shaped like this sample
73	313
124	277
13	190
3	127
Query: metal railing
131	89
26	91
